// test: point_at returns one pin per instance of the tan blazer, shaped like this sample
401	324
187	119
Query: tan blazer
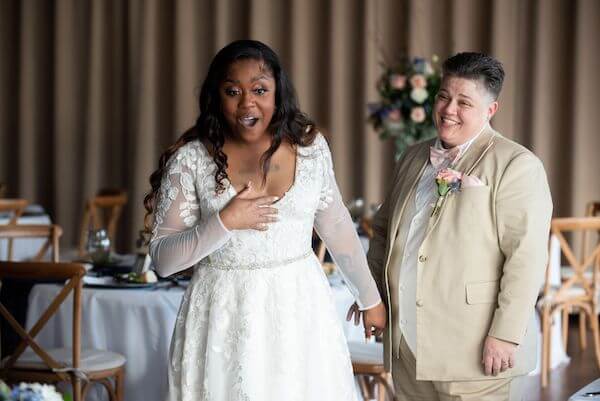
481	264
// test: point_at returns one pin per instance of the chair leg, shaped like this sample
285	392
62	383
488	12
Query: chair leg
545	348
84	390
384	388
120	385
565	327
364	386
380	391
76	384
596	335
582	330
110	390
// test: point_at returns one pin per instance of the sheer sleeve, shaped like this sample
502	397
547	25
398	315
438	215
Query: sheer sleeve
181	237
335	227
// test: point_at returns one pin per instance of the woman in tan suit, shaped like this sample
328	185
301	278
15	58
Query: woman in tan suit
459	250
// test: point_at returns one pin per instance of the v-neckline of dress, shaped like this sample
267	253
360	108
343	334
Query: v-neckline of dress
231	189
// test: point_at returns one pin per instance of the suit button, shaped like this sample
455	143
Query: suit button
422	258
419	303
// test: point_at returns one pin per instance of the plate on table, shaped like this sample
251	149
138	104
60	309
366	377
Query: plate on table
112	282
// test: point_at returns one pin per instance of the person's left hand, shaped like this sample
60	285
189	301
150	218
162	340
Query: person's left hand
374	319
498	355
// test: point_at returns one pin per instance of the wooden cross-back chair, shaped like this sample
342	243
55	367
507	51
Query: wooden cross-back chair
15	208
102	211
592	210
31	362
51	233
578	291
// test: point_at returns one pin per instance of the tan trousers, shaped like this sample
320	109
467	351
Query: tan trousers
404	371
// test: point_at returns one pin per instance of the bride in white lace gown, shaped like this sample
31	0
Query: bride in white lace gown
258	321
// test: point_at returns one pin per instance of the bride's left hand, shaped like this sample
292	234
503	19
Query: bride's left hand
374	319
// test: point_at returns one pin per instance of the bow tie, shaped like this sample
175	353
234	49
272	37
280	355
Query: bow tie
440	158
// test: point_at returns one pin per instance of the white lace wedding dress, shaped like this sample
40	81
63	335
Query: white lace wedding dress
258	321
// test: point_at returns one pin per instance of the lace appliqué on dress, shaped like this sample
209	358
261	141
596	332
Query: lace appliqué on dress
183	167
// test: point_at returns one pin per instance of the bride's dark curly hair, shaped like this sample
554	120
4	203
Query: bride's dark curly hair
288	121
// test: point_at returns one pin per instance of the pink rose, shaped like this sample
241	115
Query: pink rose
418	81
397	81
449	176
394	115
417	114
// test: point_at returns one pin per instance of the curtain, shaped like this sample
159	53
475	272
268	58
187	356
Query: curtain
92	91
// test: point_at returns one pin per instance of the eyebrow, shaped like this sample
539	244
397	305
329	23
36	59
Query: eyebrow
257	78
460	94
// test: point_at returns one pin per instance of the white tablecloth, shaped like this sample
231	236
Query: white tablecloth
24	248
137	324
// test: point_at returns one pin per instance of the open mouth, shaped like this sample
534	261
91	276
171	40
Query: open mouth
448	122
248	121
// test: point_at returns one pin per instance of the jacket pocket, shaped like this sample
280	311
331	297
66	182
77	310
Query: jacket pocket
483	292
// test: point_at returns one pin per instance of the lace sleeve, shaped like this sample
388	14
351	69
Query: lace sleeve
181	237
335	227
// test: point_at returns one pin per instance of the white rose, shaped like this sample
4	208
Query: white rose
419	95
428	69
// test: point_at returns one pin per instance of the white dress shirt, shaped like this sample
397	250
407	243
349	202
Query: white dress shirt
425	199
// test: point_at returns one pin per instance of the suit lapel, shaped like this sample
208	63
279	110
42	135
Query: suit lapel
467	163
407	184
476	151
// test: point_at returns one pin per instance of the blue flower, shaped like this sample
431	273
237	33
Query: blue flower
27	394
419	65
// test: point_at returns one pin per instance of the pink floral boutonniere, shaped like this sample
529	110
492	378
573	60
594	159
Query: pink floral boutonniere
448	181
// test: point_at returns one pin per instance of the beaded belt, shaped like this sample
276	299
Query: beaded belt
255	266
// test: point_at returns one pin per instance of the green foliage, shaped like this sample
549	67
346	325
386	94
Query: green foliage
405	113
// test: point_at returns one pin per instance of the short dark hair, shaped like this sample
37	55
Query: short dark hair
476	66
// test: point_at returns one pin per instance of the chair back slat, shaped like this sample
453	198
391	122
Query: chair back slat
590	260
40	271
27	340
50	232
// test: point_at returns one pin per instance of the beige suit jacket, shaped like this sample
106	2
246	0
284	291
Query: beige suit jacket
481	264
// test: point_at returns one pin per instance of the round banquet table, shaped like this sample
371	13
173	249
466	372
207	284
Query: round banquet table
138	324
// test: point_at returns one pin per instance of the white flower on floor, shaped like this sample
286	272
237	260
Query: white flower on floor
30	392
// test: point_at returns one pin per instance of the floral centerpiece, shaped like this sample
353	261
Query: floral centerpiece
407	91
30	392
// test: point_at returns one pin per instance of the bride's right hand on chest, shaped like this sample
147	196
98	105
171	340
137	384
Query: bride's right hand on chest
246	211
